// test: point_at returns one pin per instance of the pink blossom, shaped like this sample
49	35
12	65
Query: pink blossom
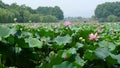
65	56
99	31
93	36
67	23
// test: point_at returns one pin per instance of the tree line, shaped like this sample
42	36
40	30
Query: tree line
108	12
22	13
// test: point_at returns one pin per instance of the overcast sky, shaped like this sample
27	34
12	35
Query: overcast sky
84	8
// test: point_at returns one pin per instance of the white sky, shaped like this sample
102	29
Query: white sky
84	8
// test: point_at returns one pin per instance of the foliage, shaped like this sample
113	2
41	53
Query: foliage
6	16
75	19
24	13
104	11
112	18
54	11
59	46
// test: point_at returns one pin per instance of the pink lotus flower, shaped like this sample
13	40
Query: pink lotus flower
93	36
64	56
99	31
67	23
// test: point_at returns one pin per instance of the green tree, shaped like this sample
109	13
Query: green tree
2	5
26	15
112	18
48	18
58	13
104	10
51	18
23	13
54	11
6	16
35	18
44	10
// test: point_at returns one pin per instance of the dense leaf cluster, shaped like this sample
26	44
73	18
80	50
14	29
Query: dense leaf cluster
59	46
109	11
22	13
